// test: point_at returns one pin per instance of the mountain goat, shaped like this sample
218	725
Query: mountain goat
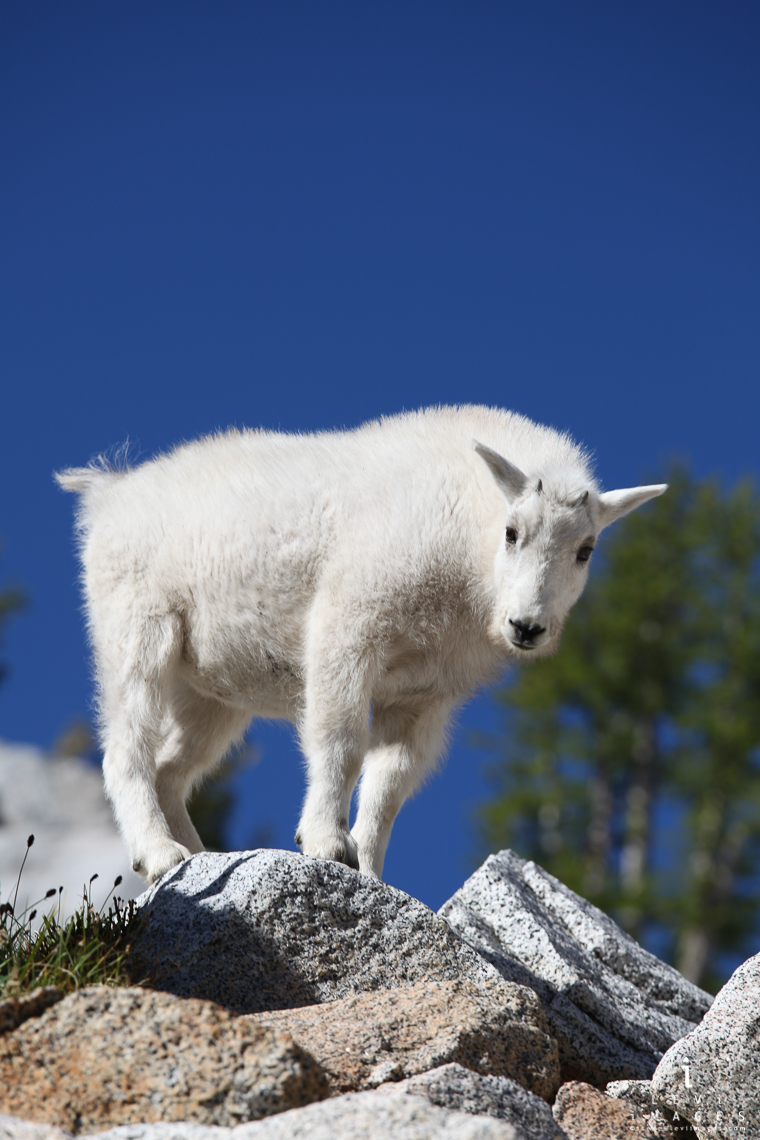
360	584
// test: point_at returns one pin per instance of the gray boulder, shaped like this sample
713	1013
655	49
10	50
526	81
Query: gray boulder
267	930
712	1077
455	1087
614	1008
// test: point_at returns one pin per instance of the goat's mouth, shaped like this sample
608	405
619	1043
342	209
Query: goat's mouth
526	634
522	642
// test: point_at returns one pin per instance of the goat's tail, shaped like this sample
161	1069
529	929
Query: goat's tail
81	479
78	479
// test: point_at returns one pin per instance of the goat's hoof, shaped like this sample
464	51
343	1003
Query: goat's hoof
349	854
164	857
340	848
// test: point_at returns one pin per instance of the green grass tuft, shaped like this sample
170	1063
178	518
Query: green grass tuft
90	948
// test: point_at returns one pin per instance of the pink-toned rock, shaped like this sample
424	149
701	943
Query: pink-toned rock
364	1040
104	1057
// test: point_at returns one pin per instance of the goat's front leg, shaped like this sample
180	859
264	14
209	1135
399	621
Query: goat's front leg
334	733
405	746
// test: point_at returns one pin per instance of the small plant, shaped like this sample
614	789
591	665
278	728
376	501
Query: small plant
90	948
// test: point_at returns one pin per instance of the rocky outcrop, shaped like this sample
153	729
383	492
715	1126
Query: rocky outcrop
613	1007
275	930
712	1077
331	984
107	1056
364	1040
458	1088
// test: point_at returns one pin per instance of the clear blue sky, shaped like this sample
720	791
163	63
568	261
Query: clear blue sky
304	215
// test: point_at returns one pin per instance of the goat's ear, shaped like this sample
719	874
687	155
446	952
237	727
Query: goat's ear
614	504
511	480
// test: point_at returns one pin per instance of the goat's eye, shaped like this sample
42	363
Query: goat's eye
511	535
585	553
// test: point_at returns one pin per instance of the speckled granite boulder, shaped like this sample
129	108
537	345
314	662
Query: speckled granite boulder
363	1040
712	1077
455	1087
613	1007
106	1056
276	930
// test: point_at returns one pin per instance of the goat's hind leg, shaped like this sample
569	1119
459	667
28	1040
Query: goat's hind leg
200	732
132	739
135	664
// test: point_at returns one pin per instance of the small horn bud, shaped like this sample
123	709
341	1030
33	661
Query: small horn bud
539	487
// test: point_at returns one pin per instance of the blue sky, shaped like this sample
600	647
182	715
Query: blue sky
302	216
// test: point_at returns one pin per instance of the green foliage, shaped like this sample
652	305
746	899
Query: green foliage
630	764
93	947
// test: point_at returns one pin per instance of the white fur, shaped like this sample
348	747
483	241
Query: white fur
356	583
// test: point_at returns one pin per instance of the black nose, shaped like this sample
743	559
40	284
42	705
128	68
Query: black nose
526	634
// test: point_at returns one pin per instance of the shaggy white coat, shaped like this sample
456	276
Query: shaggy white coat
360	584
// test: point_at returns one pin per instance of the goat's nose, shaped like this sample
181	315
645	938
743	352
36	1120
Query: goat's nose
526	633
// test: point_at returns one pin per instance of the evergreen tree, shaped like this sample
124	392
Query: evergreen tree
12	599
629	768
212	802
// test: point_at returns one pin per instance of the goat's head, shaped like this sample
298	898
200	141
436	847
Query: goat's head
550	530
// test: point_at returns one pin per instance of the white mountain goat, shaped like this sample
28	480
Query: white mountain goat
360	584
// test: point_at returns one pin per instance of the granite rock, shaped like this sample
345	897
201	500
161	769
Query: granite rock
585	1113
613	1007
364	1116
268	930
712	1077
106	1056
363	1040
456	1087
